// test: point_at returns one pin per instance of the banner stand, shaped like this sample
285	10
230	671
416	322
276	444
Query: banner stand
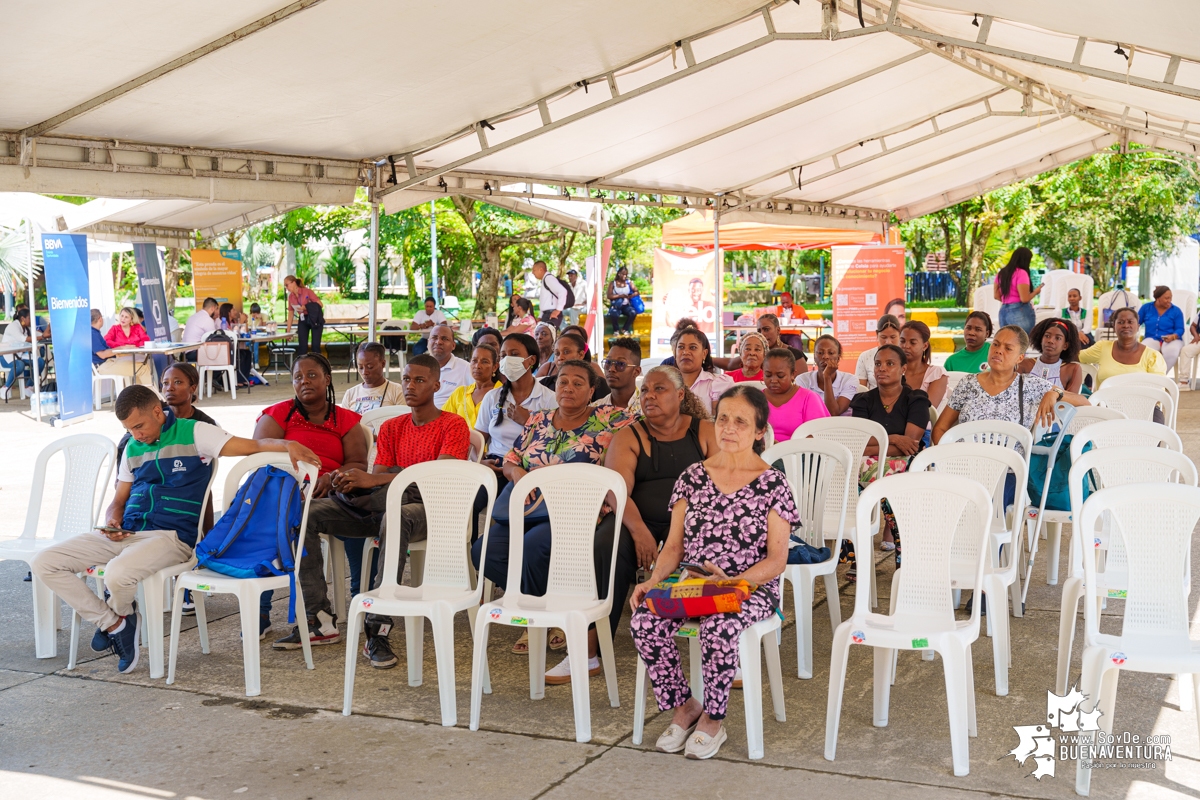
68	298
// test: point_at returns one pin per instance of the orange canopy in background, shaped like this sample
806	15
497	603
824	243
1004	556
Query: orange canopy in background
739	231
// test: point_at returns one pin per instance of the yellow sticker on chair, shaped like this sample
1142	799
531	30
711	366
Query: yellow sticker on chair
1119	594
203	587
920	643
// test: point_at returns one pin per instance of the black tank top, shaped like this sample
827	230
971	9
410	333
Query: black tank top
656	472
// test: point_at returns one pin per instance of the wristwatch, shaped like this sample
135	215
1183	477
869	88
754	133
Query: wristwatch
1060	395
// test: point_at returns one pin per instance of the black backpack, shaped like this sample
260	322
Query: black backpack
570	292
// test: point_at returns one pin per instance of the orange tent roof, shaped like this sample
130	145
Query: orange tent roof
739	233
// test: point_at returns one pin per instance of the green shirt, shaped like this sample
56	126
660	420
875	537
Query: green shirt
965	361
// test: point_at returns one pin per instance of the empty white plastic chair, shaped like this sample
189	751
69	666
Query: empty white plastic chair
216	356
573	494
89	459
448	490
1150	380
810	466
930	509
1107	468
1154	523
248	590
118	385
1136	402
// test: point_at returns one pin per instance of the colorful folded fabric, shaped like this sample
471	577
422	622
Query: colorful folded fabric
697	597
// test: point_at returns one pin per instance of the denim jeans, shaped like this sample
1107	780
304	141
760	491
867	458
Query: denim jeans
1020	314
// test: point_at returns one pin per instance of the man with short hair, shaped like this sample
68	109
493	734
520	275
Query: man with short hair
424	434
153	520
424	320
553	300
621	370
580	288
455	372
200	324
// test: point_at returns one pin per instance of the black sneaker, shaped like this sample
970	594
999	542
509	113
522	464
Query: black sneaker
101	643
125	643
189	605
379	652
322	629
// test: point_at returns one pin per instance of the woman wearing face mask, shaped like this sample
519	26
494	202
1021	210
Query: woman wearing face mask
693	359
886	332
465	400
918	372
790	406
503	412
973	357
836	388
1126	354
375	391
1058	342
752	350
569	347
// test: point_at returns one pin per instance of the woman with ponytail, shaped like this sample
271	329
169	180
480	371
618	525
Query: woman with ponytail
503	412
1014	289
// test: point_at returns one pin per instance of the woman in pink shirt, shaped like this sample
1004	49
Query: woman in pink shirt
126	333
791	405
310	317
1014	289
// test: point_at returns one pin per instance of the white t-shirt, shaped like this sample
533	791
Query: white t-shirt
437	317
844	385
209	441
553	294
580	288
198	326
14	334
864	370
505	433
455	373
361	399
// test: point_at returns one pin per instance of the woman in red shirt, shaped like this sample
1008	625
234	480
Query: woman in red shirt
126	333
314	419
308	318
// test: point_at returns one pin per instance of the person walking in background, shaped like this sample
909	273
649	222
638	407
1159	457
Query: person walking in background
1014	289
554	294
306	308
1164	326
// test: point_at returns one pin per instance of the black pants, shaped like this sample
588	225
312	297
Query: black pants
625	577
302	330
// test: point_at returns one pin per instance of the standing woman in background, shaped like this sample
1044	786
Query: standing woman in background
1014	289
310	315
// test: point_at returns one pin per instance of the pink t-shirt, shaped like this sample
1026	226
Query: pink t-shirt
803	406
1020	278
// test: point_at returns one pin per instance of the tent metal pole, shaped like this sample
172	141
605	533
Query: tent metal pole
373	277
433	249
33	350
596	300
720	279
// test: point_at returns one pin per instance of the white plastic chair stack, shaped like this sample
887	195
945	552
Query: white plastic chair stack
932	511
854	434
989	466
118	385
573	494
1154	524
810	466
248	590
1136	402
89	459
1107	468
216	356
448	490
1152	381
1125	433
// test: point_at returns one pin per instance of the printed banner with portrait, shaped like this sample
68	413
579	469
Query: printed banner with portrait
868	282
684	286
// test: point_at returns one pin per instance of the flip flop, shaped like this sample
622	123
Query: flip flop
521	646
557	639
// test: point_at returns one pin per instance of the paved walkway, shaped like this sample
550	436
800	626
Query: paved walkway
93	733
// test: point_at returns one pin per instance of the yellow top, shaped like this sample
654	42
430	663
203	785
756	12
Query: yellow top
1101	353
460	403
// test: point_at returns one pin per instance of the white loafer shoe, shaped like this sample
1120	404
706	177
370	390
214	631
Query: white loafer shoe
673	739
701	746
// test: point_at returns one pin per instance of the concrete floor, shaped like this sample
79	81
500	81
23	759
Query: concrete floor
93	733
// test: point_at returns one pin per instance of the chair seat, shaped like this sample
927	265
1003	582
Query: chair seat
23	548
206	580
391	599
503	612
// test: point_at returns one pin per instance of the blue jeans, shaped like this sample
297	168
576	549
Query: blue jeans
19	367
621	315
1020	314
535	572
420	346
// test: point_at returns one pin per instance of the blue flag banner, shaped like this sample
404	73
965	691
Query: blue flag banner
66	268
150	288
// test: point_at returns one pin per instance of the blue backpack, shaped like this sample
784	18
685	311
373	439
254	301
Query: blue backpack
257	535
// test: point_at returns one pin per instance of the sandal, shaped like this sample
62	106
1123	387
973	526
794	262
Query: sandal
521	646
557	639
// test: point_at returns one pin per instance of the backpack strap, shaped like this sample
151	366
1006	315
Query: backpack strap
1021	395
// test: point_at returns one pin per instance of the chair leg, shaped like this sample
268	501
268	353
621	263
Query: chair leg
696	673
750	658
576	630
639	702
354	621
414	642
302	619
176	624
833	599
45	637
969	673
1195	677
537	663
997	600
152	614
1055	538
883	685
775	676
442	622
608	660
837	686
73	653
478	667
802	599
955	662
248	611
1094	659
201	620
1071	594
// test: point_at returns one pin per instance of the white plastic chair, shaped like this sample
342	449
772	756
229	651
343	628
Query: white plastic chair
1107	468
855	434
756	384
934	512
213	357
478	447
375	418
1125	433
991	431
573	494
764	632
248	590
448	492
1154	381
989	466
118	385
89	459
1154	525
810	466
1136	402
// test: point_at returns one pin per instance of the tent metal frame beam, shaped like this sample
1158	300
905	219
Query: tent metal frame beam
167	68
180	237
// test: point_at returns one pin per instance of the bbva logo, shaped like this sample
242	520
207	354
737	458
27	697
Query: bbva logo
54	244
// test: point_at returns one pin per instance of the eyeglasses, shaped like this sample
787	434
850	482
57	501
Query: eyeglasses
617	366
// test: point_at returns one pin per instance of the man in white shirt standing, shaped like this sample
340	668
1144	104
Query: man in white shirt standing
455	371
579	287
553	300
425	319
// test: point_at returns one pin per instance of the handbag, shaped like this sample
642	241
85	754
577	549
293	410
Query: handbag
637	304
535	511
698	597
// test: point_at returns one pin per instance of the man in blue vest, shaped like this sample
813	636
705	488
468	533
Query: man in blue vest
154	519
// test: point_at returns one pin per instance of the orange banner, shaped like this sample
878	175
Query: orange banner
218	274
684	286
867	281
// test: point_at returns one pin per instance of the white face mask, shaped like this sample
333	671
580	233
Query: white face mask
513	367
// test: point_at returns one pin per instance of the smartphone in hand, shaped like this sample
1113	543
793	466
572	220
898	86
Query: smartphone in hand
695	569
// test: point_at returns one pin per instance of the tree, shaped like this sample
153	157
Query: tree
494	229
306	266
14	259
339	267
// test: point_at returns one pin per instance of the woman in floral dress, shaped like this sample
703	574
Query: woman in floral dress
731	513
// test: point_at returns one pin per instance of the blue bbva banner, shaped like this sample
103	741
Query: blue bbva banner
150	287
70	321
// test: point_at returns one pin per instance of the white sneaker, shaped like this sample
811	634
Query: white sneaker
560	674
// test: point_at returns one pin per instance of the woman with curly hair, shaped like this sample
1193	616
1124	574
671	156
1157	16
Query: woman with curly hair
1058	342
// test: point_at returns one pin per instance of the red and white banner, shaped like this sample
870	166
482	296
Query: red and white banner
684	286
867	280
